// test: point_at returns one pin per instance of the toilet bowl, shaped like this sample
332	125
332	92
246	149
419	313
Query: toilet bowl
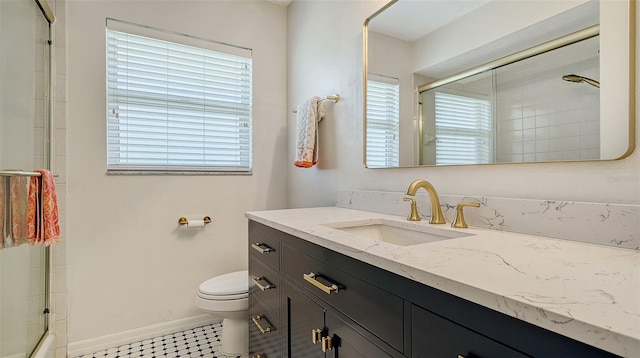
227	296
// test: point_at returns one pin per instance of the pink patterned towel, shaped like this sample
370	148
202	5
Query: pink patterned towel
13	211
43	227
19	189
309	113
3	213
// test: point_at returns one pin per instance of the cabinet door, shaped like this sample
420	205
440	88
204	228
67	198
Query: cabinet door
303	316
434	336
348	343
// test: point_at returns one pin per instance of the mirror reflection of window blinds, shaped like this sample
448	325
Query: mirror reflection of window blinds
464	130
383	123
175	107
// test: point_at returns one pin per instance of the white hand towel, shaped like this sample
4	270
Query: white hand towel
310	112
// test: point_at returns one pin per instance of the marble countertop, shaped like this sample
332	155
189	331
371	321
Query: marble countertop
588	292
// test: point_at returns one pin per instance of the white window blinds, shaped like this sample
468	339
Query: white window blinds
383	124
176	107
464	130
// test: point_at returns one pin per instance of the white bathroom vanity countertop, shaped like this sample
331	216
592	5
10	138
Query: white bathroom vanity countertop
587	292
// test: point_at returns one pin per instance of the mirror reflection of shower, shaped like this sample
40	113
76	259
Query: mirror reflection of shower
580	79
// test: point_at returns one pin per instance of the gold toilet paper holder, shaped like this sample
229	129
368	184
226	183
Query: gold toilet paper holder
184	221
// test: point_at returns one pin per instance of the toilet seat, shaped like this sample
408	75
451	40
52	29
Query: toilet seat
223	297
230	286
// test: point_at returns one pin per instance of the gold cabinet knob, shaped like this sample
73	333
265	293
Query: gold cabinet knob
327	344
316	335
459	221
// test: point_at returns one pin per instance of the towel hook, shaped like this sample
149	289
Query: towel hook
335	98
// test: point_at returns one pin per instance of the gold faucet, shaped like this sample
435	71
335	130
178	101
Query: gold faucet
436	212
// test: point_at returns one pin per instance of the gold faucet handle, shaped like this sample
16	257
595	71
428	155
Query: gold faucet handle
459	221
414	210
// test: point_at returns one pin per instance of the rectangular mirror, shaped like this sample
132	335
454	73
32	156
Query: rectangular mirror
484	82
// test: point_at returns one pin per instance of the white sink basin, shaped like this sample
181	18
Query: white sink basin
402	234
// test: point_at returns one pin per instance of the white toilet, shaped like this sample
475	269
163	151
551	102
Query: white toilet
227	296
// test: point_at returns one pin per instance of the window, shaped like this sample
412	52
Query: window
383	123
464	130
176	105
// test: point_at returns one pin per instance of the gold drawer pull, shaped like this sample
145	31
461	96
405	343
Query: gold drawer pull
316	335
311	278
256	281
262	248
263	330
327	344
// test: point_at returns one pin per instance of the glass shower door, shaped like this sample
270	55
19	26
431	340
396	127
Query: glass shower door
24	145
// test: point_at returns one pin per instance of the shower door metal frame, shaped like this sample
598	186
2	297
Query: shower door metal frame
557	43
50	17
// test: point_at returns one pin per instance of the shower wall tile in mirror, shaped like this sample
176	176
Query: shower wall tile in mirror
539	116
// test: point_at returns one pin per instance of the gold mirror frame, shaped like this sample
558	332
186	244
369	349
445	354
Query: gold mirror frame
478	69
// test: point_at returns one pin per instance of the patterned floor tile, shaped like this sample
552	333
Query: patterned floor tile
198	342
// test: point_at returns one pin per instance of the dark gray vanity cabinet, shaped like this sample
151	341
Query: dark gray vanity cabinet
304	297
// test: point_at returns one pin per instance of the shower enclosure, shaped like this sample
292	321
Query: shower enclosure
25	127
539	109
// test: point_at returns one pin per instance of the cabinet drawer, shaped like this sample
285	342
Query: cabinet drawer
264	283
370	306
264	334
350	343
266	248
435	336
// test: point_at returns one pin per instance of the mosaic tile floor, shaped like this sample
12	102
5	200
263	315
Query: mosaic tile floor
198	342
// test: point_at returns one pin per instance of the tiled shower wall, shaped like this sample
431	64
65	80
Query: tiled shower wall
540	117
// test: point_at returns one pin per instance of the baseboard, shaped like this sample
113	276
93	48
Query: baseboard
21	355
93	345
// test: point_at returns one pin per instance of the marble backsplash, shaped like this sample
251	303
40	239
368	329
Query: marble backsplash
616	225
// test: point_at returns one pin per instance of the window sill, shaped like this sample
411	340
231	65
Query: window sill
176	172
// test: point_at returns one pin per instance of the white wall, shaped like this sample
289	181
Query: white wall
129	264
325	56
